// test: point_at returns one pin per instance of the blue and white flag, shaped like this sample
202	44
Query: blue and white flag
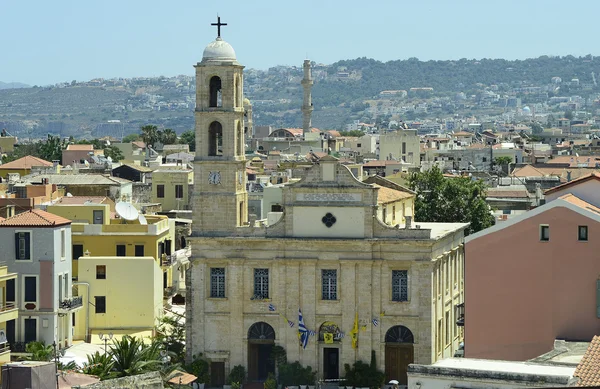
291	323
311	333
375	322
302	331
340	335
271	307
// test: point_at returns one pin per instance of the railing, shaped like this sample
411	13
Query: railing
167	260
72	303
17	347
168	292
5	347
7	307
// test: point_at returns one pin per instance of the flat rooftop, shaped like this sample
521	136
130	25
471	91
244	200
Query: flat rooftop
506	367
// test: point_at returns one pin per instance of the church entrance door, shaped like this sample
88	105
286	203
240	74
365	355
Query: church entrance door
261	339
399	353
331	363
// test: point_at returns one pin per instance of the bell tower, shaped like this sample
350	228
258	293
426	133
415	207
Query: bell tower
220	200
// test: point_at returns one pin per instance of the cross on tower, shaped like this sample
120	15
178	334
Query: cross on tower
218	24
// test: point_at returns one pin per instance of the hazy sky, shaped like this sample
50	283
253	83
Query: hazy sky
43	42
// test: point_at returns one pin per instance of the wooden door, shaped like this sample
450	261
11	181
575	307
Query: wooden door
217	374
397	359
253	361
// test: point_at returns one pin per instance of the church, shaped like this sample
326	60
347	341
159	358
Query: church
324	278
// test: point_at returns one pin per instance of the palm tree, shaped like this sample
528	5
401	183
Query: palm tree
99	365
131	356
150	134
40	351
169	137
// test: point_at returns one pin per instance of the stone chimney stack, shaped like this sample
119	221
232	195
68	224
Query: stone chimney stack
307	106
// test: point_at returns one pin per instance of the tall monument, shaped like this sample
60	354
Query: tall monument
307	106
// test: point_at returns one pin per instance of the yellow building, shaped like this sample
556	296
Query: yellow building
125	297
8	314
170	187
95	233
394	202
7	144
23	166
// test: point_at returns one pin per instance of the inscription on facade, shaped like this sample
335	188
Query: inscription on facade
324	197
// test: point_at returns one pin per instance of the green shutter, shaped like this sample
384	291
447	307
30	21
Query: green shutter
598	299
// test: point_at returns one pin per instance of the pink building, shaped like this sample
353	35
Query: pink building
76	154
534	279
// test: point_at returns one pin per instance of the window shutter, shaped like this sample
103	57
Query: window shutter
16	245
598	299
27	245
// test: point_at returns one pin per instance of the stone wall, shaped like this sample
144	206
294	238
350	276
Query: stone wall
151	380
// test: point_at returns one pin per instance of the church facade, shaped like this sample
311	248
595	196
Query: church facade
327	280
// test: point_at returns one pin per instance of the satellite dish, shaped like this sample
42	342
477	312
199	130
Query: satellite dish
69	195
126	211
107	142
109	159
142	219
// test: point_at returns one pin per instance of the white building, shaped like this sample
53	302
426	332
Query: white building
488	374
37	246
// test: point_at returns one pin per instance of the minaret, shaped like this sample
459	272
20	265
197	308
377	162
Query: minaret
220	200
307	106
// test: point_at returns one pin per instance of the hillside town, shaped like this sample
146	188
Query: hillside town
393	253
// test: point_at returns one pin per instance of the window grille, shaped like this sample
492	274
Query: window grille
261	283
217	282
399	285
329	284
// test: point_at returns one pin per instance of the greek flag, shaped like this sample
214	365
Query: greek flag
271	307
375	322
311	333
291	323
302	331
340	335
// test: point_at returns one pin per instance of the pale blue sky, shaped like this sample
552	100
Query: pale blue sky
44	42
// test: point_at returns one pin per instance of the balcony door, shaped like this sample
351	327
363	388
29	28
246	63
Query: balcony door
30	332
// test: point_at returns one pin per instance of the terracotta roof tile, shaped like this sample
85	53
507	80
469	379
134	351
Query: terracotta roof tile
34	218
388	195
26	162
576	181
513	194
571	198
588	370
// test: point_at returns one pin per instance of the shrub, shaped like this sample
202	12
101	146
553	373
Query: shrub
200	368
295	374
364	375
270	383
237	375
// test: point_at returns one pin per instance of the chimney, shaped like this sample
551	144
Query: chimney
408	223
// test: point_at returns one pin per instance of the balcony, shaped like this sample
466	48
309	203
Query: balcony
460	314
70	305
8	311
168	260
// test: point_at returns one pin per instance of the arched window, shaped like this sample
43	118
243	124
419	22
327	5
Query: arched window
216	100
399	334
215	139
261	331
240	140
331	330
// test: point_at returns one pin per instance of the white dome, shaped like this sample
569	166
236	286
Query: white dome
218	50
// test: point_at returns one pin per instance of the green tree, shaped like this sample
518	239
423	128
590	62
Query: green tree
40	351
501	161
114	153
52	148
171	333
131	138
536	127
450	200
296	374
189	138
99	365
168	136
150	134
358	133
568	114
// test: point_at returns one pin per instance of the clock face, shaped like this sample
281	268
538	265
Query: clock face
214	178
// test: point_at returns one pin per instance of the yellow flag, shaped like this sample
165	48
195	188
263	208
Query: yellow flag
328	337
354	332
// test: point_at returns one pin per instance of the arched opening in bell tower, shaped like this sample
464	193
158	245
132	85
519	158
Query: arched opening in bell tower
215	139
240	140
216	98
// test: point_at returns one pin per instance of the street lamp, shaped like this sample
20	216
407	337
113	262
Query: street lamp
105	338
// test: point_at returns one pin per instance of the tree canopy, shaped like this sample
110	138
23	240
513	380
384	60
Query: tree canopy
450	200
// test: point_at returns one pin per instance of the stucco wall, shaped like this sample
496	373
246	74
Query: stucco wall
522	293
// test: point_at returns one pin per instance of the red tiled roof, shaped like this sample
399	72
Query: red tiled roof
389	195
25	163
34	218
513	194
139	144
576	181
571	198
588	370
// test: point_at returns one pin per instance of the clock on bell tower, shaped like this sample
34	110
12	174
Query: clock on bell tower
220	200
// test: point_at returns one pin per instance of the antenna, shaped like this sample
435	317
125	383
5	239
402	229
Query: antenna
126	211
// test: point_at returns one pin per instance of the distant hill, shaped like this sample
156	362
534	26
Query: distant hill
12	85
